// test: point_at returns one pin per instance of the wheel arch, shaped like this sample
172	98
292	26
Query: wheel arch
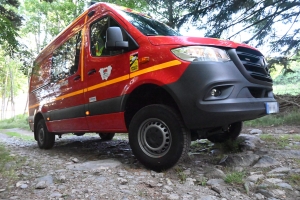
145	95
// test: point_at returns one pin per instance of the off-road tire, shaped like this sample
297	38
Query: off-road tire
170	139
45	139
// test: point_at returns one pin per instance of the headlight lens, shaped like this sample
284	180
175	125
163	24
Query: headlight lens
201	53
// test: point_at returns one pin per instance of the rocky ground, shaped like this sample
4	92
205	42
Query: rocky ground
263	164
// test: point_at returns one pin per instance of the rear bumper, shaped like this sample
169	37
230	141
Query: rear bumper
239	99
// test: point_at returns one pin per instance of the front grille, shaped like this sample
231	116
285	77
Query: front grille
254	63
258	92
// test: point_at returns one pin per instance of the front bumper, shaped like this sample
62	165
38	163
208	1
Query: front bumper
239	100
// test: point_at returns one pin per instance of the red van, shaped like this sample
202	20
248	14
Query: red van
114	70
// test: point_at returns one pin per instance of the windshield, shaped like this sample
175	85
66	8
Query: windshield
148	26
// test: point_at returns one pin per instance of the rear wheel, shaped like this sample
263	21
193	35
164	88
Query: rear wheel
232	133
158	137
45	139
106	136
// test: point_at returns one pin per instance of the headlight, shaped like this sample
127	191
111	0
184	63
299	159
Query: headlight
201	53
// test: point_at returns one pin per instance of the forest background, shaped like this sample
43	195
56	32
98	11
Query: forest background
27	26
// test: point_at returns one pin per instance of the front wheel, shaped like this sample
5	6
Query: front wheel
45	139
158	137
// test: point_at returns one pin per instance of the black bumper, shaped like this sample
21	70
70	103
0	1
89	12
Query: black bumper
239	100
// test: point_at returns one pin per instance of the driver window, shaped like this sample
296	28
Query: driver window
98	37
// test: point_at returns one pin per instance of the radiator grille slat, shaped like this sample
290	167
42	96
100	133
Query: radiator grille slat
254	63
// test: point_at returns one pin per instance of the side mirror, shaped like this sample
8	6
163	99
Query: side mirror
114	39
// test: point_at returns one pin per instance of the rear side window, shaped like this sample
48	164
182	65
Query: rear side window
65	60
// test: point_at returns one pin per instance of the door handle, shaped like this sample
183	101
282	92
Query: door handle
91	72
76	77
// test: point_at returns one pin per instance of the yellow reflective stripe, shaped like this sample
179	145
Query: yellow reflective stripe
119	79
35	105
155	68
69	95
106	83
62	97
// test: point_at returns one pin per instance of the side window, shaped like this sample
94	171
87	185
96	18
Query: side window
98	37
65	60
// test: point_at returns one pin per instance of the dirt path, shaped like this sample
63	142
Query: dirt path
86	167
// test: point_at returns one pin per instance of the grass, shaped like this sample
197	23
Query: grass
292	89
297	161
235	178
181	175
9	164
18	135
281	141
229	146
203	181
200	145
289	118
294	179
19	121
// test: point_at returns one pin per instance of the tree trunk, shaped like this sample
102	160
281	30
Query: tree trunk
27	99
6	107
4	96
12	92
170	13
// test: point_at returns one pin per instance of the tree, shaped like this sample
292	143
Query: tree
45	19
260	19
10	23
12	80
263	20
133	4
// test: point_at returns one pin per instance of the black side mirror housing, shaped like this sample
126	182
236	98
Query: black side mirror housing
114	39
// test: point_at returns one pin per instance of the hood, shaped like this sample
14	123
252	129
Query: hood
186	41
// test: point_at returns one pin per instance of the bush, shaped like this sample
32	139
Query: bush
19	121
287	118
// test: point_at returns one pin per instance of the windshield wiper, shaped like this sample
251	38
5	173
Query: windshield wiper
149	34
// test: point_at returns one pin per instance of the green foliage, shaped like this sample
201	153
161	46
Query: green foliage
19	121
181	175
290	118
287	89
8	164
10	23
281	141
12	81
48	18
11	68
133	4
261	19
289	78
294	179
202	145
218	18
235	177
229	146
18	135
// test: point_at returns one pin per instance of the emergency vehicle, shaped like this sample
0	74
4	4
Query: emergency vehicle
114	70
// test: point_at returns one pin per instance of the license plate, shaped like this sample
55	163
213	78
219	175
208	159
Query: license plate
272	107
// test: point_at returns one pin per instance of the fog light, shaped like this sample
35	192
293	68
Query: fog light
215	92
